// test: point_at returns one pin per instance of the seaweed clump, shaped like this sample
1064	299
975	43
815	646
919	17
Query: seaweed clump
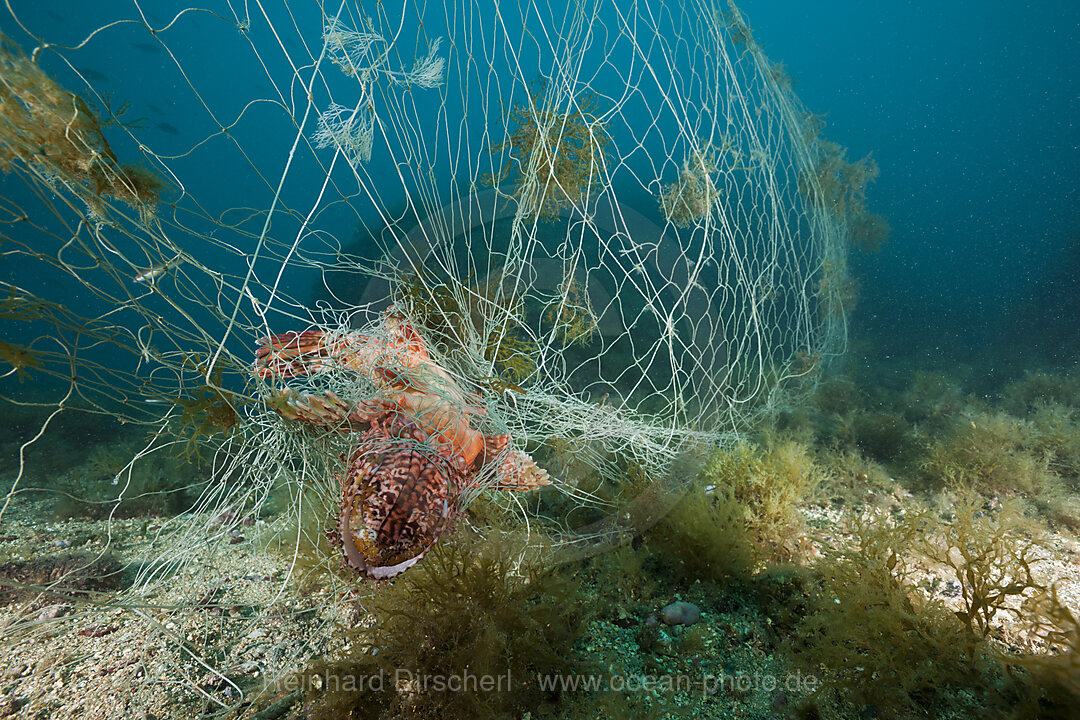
205	412
689	199
740	513
59	137
570	317
883	643
1037	388
992	453
991	557
1056	435
20	358
556	154
767	485
451	313
465	634
1057	674
873	641
838	186
703	537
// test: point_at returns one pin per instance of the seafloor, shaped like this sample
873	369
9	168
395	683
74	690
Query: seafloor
902	545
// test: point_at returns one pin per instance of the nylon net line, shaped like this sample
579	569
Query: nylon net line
618	235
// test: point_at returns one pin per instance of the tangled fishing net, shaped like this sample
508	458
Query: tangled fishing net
613	224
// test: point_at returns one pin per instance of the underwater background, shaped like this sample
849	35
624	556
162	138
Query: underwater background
969	108
840	540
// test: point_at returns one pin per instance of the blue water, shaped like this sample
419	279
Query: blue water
970	108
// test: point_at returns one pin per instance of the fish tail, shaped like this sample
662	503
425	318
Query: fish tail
291	354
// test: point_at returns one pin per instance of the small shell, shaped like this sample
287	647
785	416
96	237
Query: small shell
680	613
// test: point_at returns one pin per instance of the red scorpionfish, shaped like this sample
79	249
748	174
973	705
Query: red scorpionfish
416	452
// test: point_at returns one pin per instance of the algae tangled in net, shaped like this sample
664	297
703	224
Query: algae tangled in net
451	312
59	137
689	199
20	358
557	154
839	186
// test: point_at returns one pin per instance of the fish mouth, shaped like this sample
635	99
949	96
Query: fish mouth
356	560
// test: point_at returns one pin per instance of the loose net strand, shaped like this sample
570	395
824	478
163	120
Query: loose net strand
615	226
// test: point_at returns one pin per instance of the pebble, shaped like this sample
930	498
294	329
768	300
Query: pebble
680	613
10	705
52	612
247	667
17	671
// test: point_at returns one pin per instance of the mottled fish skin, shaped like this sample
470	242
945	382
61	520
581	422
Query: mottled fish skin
397	500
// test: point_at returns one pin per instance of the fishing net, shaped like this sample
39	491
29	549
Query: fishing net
613	225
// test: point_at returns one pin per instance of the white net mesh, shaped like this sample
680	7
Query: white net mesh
613	224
